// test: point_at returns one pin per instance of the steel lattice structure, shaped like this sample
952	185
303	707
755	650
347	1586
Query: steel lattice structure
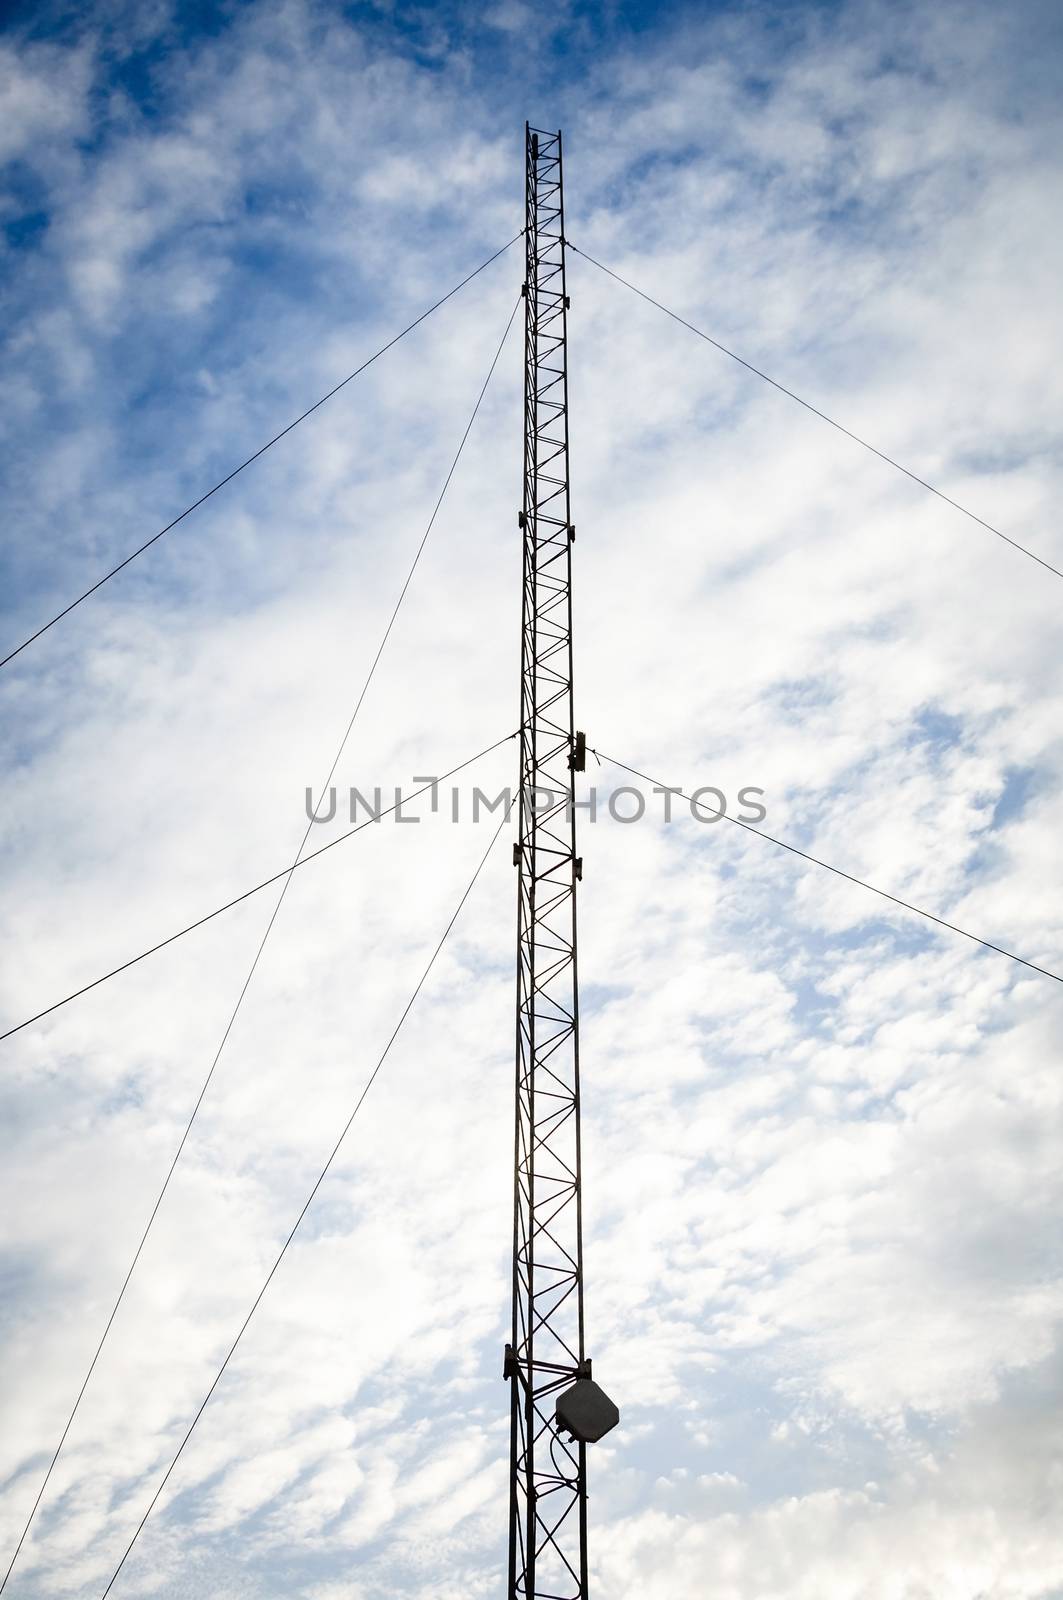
548	1488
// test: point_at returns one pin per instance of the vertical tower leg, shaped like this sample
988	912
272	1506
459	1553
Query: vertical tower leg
548	1488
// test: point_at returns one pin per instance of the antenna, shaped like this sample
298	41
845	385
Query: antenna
556	1408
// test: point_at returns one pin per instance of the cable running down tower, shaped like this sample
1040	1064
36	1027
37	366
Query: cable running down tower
556	1408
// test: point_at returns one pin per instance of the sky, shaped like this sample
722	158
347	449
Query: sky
821	1136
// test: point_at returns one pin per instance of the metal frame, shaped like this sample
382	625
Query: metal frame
548	1480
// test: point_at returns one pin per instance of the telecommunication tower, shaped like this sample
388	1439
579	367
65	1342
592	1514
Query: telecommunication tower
556	1408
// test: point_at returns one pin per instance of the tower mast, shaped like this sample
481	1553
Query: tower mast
551	1391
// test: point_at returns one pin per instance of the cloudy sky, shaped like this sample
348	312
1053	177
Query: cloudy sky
822	1138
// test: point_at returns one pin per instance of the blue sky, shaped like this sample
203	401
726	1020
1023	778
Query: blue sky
822	1140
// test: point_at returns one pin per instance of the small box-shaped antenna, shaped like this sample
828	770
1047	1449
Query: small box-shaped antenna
585	1412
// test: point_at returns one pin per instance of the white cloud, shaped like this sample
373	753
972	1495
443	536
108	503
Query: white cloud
823	1272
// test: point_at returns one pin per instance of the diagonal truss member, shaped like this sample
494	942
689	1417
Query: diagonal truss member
546	1361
